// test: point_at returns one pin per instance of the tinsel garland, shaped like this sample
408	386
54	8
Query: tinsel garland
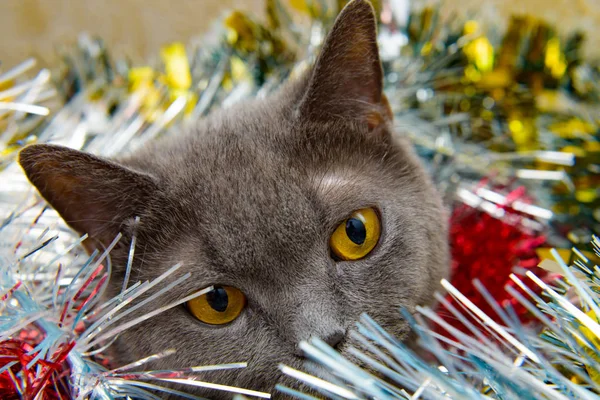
507	125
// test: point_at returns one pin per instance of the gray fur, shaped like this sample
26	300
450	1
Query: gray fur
249	198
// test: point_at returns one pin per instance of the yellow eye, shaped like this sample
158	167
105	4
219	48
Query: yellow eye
356	237
220	306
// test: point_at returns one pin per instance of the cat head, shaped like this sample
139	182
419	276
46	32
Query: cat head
303	209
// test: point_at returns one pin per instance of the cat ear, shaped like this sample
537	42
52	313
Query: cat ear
93	195
347	80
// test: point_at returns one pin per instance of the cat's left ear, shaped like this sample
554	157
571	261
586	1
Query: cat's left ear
347	80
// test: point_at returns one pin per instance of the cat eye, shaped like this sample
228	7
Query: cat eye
220	306
357	236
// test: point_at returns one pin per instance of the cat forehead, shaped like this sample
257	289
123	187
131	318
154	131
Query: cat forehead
257	135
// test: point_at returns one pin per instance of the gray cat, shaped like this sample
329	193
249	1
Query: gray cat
303	210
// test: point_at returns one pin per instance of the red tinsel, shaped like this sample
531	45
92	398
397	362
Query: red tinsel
27	376
488	249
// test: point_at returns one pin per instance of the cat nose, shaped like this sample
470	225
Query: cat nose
332	339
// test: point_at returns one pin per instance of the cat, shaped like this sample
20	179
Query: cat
303	209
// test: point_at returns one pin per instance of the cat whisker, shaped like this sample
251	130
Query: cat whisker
216	386
127	383
183	373
142	361
202	368
130	256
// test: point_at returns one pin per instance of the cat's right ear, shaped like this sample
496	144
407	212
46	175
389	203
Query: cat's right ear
93	195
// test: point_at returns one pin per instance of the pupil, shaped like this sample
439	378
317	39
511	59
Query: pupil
356	231
217	299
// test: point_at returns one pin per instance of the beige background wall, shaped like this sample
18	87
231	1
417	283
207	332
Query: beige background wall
138	27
